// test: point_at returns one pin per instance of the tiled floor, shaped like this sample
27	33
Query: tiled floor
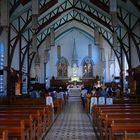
72	124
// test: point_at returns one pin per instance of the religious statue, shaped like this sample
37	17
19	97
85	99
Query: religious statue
87	70
62	68
74	69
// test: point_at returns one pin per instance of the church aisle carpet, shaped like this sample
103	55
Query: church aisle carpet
72	124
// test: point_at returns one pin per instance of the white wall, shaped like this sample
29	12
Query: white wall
66	41
82	40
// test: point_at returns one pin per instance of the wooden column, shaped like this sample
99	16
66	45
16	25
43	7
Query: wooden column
122	72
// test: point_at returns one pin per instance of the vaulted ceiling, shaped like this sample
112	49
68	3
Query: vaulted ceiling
92	13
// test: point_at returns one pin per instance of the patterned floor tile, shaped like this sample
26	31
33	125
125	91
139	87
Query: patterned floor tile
72	124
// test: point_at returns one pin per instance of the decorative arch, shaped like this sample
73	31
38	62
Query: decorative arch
87	66
88	30
62	67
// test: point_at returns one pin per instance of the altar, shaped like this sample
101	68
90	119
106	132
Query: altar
88	82
74	87
75	78
74	73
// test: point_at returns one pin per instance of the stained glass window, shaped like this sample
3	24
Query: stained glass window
1	68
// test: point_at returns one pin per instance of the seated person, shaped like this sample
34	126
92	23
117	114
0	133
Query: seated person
83	94
33	92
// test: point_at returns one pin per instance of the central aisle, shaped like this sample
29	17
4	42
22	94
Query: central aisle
72	124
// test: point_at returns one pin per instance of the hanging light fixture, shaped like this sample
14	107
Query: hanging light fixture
97	35
35	7
4	10
37	59
113	12
35	12
113	5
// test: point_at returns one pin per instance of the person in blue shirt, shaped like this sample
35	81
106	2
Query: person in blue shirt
103	92
32	92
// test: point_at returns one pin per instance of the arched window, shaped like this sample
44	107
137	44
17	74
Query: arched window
62	67
87	67
1	68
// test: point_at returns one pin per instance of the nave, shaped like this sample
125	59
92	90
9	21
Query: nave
72	124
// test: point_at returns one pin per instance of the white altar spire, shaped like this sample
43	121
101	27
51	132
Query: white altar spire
74	64
74	55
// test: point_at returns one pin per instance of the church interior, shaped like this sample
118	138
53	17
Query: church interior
69	69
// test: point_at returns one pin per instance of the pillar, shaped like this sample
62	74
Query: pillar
107	69
35	12
123	71
34	37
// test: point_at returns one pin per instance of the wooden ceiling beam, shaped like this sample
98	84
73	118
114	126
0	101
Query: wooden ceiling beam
48	22
101	5
47	6
99	20
135	3
23	2
12	10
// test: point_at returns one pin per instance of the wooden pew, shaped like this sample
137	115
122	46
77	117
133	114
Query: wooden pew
45	111
107	124
130	137
99	108
29	123
17	130
58	105
4	135
118	112
36	124
23	112
125	100
19	100
28	101
121	127
105	121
